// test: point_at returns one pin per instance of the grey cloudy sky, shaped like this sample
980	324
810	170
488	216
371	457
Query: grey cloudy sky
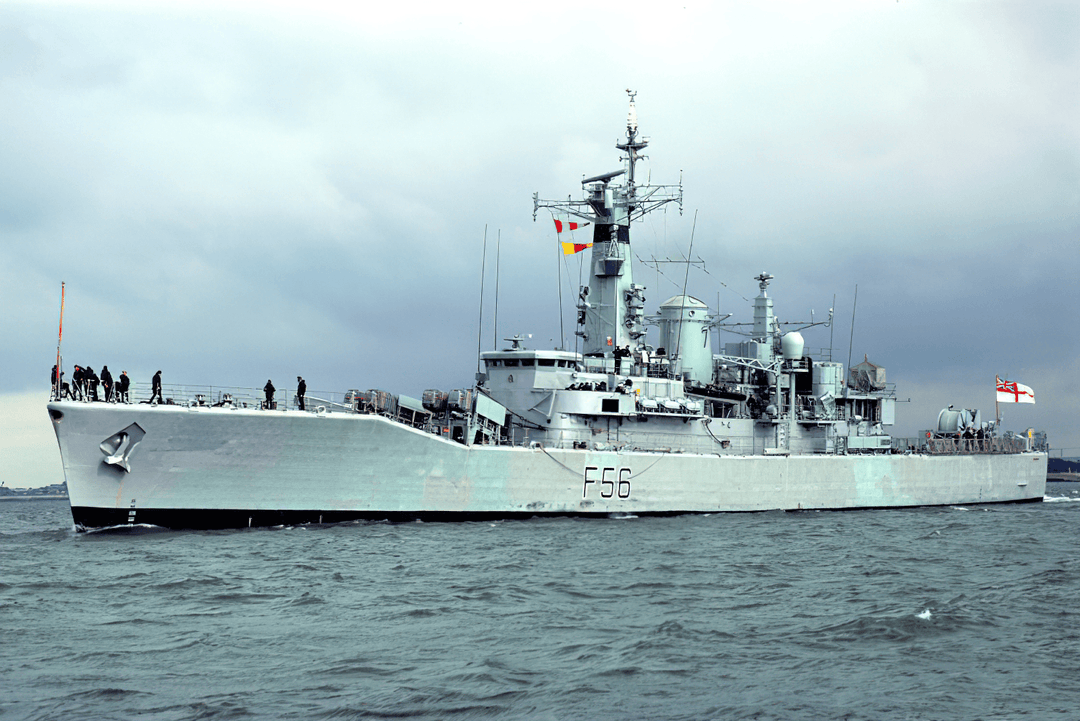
248	190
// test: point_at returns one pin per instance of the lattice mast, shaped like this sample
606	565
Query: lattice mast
611	307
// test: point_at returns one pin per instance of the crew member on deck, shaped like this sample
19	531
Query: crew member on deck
122	387
62	390
619	354
77	383
301	389
269	389
107	382
155	388
91	379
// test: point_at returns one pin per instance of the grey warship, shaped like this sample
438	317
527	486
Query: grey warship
618	427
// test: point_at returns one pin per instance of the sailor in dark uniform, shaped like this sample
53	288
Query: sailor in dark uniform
122	387
91	380
269	390
107	382
61	387
619	354
301	389
155	388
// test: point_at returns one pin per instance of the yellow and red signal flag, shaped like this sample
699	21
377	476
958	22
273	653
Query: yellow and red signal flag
571	248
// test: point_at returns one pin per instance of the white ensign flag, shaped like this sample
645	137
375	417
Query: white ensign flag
1010	392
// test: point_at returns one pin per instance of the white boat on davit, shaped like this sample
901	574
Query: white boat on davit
620	426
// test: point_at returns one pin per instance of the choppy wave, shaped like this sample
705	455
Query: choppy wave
920	613
128	528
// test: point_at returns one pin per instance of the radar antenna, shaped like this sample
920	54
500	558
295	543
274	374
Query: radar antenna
638	200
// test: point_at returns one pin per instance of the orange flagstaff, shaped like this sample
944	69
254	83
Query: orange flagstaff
57	381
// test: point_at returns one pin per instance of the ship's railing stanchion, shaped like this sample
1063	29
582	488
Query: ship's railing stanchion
952	445
221	396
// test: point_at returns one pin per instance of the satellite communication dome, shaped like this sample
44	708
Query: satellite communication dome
792	345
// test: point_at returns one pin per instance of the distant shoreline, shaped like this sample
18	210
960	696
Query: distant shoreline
33	498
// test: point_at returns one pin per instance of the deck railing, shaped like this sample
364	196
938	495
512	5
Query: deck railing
334	402
953	446
220	396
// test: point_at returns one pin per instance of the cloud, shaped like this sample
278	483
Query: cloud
28	449
250	190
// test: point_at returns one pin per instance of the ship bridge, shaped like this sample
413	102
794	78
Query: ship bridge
529	368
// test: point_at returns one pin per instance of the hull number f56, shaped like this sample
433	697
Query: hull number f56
608	481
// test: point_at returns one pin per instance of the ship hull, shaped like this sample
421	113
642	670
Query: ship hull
201	467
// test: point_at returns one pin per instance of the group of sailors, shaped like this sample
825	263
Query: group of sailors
642	357
84	385
969	433
269	390
588	386
85	381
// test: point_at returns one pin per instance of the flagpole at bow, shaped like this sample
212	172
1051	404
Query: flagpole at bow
60	338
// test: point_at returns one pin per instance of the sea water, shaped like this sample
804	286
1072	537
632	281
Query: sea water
934	613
